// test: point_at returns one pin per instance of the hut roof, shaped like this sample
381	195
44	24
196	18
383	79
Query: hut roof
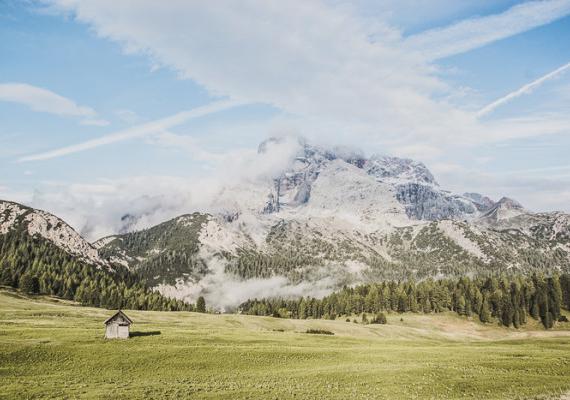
118	314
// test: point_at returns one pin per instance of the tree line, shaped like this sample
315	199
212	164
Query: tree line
509	300
35	265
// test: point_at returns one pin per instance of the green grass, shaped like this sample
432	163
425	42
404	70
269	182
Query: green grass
53	349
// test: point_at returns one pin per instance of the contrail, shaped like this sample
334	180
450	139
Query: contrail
137	131
528	88
477	32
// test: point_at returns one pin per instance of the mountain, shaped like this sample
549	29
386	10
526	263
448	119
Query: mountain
40	253
167	250
41	224
333	217
504	209
330	217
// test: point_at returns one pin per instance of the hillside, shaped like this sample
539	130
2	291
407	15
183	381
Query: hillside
40	253
41	224
189	355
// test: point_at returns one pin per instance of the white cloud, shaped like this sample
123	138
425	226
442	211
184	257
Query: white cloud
97	208
128	116
333	75
147	129
43	100
477	32
95	122
304	58
549	190
526	89
322	64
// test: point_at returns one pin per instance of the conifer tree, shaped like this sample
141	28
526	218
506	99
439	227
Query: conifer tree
201	305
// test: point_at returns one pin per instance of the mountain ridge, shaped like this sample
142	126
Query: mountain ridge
330	218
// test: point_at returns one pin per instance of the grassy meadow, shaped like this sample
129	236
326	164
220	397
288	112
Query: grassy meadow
51	348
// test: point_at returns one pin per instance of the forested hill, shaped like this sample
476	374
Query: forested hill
507	300
35	264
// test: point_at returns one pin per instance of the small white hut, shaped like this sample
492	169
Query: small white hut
117	327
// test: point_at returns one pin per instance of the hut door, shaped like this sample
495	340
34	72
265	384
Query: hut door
123	331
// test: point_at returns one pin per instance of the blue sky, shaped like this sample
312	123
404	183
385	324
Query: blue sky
404	78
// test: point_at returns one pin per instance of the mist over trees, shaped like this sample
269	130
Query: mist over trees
510	300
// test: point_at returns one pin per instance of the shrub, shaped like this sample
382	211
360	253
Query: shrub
379	319
319	332
29	284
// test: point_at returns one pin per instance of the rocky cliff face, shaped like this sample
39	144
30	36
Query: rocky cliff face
15	216
394	169
425	202
483	203
415	186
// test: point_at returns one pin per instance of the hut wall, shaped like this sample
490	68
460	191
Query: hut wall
111	331
116	331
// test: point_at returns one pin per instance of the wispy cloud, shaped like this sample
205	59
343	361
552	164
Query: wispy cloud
526	89
149	128
43	100
316	62
472	33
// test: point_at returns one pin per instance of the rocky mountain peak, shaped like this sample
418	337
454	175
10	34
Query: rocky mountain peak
483	203
38	223
401	169
509	204
504	209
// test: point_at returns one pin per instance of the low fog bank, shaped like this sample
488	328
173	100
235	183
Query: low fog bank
225	292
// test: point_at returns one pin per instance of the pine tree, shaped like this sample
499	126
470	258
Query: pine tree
484	312
201	305
29	284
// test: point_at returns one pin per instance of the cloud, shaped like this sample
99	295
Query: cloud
321	64
549	189
95	122
225	292
526	89
43	100
109	206
147	129
98	208
477	32
306	59
128	116
330	73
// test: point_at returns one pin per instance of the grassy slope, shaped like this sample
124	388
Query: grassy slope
52	349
